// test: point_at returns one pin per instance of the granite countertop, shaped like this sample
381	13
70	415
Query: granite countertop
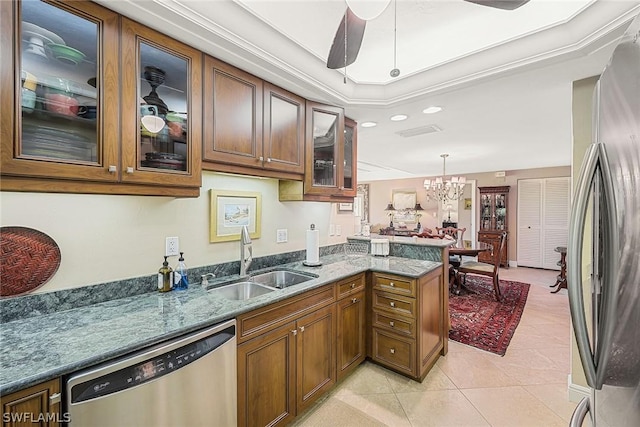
418	241
44	347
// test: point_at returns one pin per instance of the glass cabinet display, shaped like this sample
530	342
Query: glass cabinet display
57	121
349	167
161	131
493	220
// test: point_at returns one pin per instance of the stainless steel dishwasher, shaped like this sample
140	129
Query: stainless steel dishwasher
189	381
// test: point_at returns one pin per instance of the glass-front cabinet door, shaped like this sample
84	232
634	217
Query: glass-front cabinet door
161	122
325	141
60	89
349	167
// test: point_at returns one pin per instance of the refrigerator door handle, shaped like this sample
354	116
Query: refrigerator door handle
610	284
580	413
574	261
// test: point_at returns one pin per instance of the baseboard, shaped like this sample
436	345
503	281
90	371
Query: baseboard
577	392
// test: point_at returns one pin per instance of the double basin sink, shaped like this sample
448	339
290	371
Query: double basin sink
261	284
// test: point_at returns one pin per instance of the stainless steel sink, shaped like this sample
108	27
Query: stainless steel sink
281	278
242	290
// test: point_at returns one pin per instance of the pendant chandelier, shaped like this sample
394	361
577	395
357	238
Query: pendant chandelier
445	188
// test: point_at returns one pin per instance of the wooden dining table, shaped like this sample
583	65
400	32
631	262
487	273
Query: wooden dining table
466	248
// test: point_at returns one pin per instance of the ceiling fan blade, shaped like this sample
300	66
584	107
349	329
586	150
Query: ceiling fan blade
500	4
355	31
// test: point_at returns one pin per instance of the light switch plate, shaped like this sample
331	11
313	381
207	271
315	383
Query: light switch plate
332	229
281	235
338	229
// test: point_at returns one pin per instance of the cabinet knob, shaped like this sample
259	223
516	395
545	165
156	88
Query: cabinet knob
261	158
392	350
113	169
353	285
391	284
354	300
392	324
301	328
294	332
392	304
129	169
268	159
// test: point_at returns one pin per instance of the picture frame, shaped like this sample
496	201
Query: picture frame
345	207
230	211
404	201
467	204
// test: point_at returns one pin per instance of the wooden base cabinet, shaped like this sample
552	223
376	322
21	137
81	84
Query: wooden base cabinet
37	405
409	323
351	317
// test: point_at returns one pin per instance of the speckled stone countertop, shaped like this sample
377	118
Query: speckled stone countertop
418	241
44	347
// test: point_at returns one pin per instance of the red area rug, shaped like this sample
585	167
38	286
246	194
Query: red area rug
478	320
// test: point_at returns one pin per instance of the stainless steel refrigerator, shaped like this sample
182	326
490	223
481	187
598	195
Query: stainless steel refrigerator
604	241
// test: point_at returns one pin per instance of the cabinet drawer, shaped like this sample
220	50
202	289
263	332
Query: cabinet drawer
393	323
270	317
350	285
394	351
394	304
394	284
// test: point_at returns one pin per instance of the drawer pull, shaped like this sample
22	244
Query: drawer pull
353	285
295	332
392	324
392	350
354	300
301	328
392	304
391	284
54	398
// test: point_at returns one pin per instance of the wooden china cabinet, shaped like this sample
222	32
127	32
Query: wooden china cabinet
493	221
95	103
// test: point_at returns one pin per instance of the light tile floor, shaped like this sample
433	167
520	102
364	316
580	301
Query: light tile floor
470	387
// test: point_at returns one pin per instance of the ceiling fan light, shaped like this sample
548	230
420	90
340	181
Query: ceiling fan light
368	124
432	110
367	9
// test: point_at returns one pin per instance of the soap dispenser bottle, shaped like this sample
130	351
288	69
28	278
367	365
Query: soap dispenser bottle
165	281
180	282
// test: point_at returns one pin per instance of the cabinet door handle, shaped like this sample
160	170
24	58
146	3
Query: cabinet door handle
129	169
54	398
392	324
301	328
295	332
391	284
354	300
392	304
268	159
261	158
392	350
113	169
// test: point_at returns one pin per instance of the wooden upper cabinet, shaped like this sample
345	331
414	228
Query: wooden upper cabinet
283	133
162	108
349	159
59	91
233	115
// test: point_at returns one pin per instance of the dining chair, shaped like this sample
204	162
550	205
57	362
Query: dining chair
457	234
486	269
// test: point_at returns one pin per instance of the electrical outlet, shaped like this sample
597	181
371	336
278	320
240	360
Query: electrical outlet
281	235
332	229
172	246
338	229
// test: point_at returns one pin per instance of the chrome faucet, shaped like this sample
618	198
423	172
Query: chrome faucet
245	243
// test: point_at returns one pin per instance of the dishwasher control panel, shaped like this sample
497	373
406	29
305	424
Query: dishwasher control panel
149	369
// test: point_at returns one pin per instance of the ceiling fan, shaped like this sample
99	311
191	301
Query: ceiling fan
346	43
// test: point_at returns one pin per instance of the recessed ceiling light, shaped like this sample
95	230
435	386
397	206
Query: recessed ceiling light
368	124
431	110
399	117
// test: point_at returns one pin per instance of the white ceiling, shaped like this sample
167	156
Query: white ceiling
502	77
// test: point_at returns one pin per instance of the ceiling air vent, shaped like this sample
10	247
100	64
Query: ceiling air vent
419	131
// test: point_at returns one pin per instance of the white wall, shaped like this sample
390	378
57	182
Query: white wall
104	238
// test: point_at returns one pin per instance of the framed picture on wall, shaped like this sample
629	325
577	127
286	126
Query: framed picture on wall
404	201
230	211
467	204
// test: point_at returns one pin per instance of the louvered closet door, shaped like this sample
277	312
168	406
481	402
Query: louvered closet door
556	220
529	223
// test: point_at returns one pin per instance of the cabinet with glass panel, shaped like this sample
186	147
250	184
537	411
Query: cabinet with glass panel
65	127
493	220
